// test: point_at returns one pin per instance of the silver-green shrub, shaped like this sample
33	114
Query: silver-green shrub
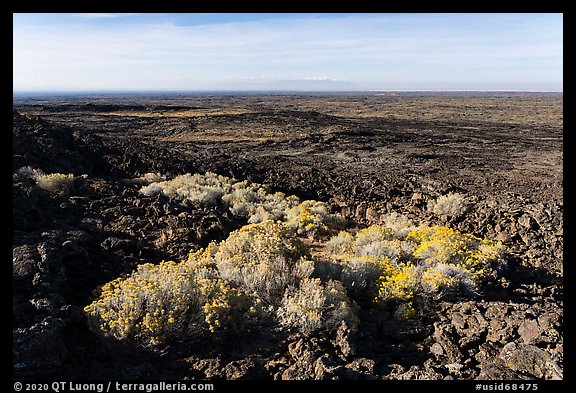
449	205
314	306
399	224
52	182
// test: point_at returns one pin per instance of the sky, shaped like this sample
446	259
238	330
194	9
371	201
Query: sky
308	52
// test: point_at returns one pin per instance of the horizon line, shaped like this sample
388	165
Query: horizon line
290	91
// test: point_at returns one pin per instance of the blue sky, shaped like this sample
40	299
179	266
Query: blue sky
239	51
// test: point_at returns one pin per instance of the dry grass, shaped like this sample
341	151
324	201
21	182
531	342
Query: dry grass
475	107
526	110
202	137
183	113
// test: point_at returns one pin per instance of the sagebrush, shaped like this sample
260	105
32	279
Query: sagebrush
449	205
294	267
248	200
53	182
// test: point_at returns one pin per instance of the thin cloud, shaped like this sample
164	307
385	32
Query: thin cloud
321	78
367	50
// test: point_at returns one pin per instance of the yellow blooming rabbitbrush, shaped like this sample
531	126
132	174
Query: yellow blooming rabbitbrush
430	262
266	273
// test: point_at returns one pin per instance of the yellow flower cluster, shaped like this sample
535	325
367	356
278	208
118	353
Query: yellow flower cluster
373	233
429	262
436	280
442	245
256	243
146	304
225	307
309	219
157	302
399	285
343	243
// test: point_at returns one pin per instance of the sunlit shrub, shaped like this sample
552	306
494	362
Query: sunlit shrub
204	189
226	308
395	250
450	205
360	273
168	301
312	219
444	261
359	269
255	203
146	179
251	201
399	224
342	243
266	258
55	182
374	233
315	306
241	199
52	182
307	219
269	281
265	273
400	285
256	243
428	264
144	306
442	245
372	253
